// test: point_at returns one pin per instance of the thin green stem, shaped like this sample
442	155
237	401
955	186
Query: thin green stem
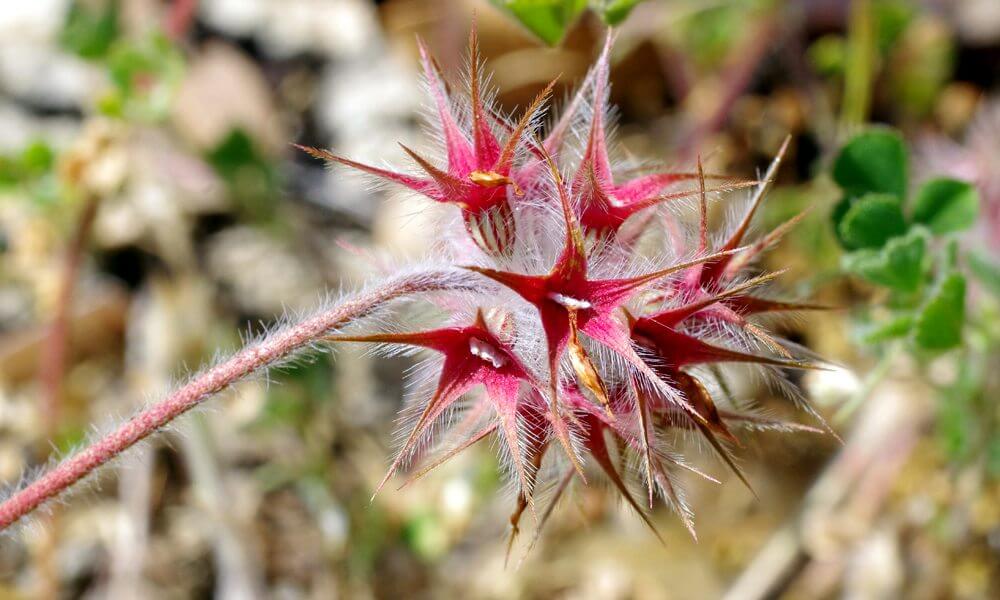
860	64
874	377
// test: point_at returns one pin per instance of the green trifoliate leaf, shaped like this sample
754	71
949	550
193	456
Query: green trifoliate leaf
939	324
946	205
872	162
899	265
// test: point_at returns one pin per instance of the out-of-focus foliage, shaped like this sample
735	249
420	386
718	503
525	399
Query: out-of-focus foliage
91	31
913	52
252	179
144	74
910	255
547	19
908	246
550	19
32	169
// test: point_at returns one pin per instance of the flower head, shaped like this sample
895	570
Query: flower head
581	335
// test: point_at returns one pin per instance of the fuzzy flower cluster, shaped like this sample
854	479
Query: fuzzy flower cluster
601	323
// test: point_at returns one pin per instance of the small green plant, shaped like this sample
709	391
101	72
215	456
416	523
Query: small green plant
907	246
904	245
31	169
143	73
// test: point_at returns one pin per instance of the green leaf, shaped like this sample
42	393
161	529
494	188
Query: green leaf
548	19
710	31
871	221
899	265
837	216
34	161
234	152
986	270
89	33
253	181
892	17
897	327
616	11
37	158
872	162
946	205
138	64
939	325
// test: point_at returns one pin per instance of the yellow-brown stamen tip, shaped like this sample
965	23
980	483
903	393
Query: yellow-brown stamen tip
489	179
586	373
492	179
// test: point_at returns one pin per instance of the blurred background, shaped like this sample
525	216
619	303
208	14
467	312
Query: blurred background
152	210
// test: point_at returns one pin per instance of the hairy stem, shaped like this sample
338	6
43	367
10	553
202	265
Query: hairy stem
251	359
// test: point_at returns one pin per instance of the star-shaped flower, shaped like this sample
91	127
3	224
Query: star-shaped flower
605	204
473	356
480	171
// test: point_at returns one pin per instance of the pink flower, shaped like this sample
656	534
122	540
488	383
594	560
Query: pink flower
473	356
480	177
605	204
615	329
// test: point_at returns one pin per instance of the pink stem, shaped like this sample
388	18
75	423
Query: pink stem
53	364
736	80
180	17
252	358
